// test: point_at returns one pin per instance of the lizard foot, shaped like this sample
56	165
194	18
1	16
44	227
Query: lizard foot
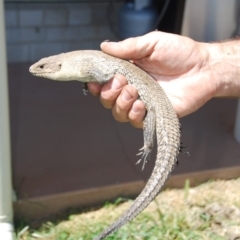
145	151
183	149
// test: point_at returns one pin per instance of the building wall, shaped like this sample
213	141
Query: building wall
37	30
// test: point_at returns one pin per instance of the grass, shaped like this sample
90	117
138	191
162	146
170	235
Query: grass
209	211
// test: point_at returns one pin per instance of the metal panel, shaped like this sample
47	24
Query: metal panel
213	20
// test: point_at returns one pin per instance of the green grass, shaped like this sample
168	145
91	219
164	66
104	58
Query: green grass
209	211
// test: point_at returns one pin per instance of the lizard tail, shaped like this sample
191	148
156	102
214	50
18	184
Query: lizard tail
164	164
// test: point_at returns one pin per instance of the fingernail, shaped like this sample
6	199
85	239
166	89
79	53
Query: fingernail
115	84
126	96
108	43
135	109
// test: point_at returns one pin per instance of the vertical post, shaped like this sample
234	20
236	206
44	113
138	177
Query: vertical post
237	123
6	213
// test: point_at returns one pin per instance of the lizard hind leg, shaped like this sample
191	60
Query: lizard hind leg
149	128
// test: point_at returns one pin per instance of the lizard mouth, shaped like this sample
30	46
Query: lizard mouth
42	69
33	71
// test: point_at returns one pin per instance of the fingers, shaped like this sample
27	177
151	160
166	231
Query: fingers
137	113
122	99
111	91
129	108
124	103
94	88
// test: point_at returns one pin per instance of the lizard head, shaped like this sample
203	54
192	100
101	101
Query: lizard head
53	67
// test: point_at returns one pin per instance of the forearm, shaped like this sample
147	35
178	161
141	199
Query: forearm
224	66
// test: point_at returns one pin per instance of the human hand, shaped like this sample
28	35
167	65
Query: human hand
179	64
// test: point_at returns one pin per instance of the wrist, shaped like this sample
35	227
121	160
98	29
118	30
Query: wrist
224	68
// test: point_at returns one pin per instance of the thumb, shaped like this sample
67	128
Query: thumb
131	48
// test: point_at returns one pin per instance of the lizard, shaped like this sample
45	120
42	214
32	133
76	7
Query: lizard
160	125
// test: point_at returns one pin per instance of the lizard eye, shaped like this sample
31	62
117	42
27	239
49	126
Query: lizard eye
41	66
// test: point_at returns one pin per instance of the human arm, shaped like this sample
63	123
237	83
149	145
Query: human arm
190	72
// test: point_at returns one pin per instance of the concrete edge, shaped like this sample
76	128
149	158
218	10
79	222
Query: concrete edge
42	207
199	177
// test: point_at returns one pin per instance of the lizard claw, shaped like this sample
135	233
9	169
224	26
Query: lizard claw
183	149
85	89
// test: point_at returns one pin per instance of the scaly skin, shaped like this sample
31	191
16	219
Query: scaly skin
95	66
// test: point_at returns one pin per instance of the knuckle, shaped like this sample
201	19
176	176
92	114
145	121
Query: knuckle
119	117
107	104
137	113
137	125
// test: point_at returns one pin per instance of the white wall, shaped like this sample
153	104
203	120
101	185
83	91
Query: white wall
210	20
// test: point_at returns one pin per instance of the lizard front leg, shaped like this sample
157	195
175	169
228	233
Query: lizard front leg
93	74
